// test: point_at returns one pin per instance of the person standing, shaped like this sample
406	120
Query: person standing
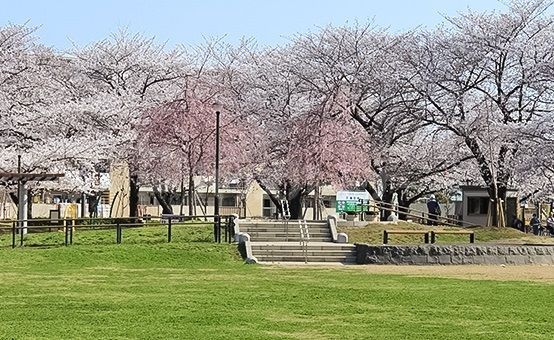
434	210
535	224
550	224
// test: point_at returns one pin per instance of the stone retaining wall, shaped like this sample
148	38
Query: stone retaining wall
455	254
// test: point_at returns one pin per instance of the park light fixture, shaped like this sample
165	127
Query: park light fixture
217	107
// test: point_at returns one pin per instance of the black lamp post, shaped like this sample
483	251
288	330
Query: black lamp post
217	232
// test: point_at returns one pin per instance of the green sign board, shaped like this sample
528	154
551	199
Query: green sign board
350	201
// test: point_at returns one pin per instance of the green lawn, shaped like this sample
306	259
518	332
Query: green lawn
373	234
200	290
153	233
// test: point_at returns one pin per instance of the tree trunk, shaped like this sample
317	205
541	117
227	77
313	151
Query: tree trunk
14	198
295	206
166	208
387	199
372	192
498	198
133	196
192	200
315	215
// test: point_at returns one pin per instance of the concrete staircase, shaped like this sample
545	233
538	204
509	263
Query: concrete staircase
272	241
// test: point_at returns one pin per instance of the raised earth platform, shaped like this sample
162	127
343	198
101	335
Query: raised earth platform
454	254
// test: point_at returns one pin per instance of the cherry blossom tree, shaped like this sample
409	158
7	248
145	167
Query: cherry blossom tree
483	78
129	74
302	143
359	68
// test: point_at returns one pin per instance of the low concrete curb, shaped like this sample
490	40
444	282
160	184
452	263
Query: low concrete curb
245	247
337	237
454	254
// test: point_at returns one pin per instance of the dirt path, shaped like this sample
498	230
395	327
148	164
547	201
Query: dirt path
539	273
536	273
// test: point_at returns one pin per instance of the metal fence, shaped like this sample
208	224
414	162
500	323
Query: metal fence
222	224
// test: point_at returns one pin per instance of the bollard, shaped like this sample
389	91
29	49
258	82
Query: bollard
226	229
385	237
231	228
117	233
13	235
169	230
215	229
66	233
21	239
218	229
70	232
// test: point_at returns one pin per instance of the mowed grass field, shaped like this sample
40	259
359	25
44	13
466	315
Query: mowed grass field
193	289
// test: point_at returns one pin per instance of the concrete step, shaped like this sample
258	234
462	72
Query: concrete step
324	253
272	225
296	246
282	229
294	258
290	239
261	222
255	234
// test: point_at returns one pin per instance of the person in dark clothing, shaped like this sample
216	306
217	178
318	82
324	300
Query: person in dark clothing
433	208
517	224
535	224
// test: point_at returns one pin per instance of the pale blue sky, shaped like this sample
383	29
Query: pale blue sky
187	21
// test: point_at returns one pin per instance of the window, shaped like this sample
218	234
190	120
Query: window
477	205
327	203
228	201
268	208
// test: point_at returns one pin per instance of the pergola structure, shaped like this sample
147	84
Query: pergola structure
8	178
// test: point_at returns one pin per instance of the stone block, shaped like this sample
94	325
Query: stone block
432	259
418	259
457	258
444	259
479	259
515	259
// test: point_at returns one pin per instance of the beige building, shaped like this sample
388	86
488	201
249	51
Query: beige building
476	205
250	201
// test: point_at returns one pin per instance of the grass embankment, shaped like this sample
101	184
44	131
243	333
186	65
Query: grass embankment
152	233
373	234
200	290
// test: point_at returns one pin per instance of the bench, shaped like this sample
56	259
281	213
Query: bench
434	234
386	234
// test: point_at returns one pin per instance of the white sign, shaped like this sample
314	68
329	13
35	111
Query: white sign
352	195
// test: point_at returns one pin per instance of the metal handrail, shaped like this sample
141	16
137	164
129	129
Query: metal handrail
286	218
304	238
389	207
